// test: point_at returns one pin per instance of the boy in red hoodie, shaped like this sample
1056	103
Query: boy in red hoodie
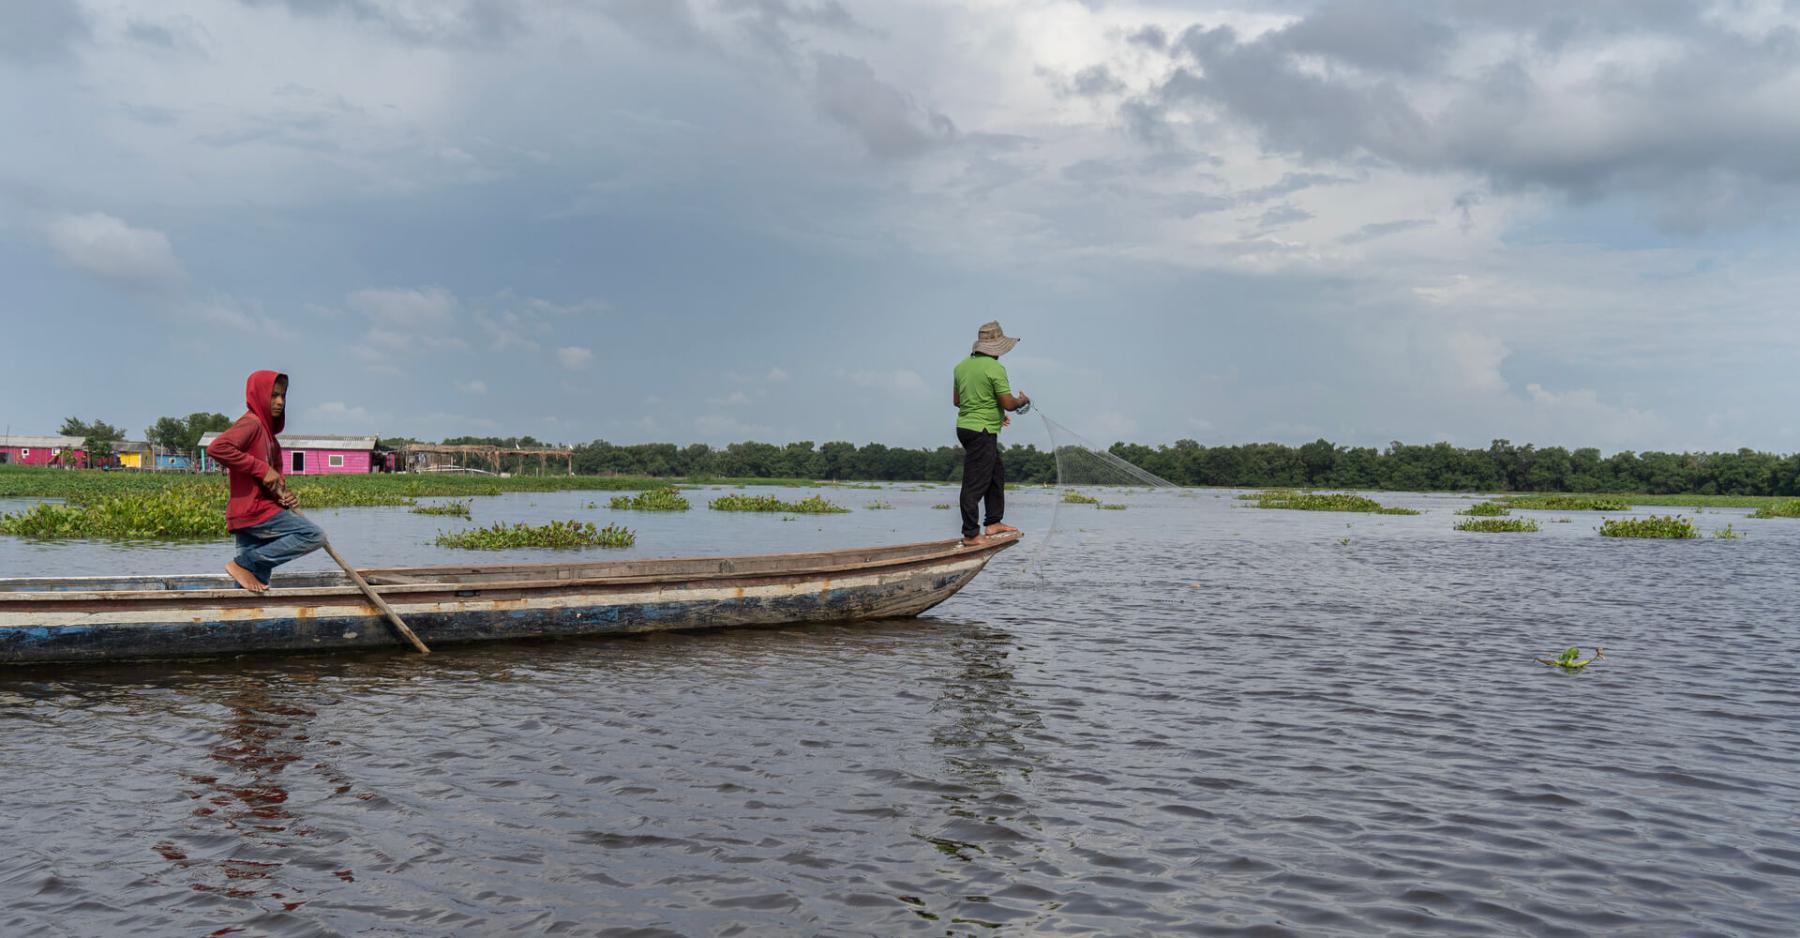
268	534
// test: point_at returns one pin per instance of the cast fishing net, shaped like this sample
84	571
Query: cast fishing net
1084	471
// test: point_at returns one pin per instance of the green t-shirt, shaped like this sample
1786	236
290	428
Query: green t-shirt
980	380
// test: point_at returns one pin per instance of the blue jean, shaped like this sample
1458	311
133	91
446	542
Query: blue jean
285	536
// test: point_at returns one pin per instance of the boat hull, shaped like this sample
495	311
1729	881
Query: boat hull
47	626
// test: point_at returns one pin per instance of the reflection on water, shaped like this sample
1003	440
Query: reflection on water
1200	719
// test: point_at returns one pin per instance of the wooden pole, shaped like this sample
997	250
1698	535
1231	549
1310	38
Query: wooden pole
375	598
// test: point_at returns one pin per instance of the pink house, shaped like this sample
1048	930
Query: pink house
315	455
21	450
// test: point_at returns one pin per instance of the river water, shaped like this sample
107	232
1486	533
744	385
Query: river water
1191	717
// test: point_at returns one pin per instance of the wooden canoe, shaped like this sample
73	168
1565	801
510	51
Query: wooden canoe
113	618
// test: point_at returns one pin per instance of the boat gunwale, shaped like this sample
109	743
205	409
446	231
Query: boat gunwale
947	550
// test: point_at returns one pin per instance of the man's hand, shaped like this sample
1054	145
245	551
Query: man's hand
286	498
271	479
1006	420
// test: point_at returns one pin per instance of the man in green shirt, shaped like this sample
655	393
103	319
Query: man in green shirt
982	397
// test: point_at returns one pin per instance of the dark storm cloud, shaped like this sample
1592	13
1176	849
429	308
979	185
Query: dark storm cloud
38	31
890	124
450	22
1706	130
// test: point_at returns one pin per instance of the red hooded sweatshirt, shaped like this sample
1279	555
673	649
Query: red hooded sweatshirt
247	450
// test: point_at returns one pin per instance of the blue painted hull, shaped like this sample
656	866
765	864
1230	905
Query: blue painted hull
46	621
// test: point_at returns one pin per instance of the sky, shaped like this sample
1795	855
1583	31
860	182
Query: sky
721	220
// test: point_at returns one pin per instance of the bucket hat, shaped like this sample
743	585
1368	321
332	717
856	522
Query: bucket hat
991	340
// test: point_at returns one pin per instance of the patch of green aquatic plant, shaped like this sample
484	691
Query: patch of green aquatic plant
178	514
1497	525
1786	508
878	505
453	509
560	535
1727	533
1486	510
1571	660
1318	501
1110	507
1673	527
663	499
1559	502
941	506
1073	497
811	505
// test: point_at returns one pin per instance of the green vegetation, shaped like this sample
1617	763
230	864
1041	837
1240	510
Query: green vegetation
1787	508
1571	660
1486	510
1316	501
1567	502
1073	497
1656	526
1727	533
878	505
1111	507
170	515
1497	525
941	506
560	535
811	505
453	509
662	499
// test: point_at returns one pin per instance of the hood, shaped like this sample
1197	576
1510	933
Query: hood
256	397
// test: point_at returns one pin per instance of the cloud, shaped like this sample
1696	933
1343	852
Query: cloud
720	427
35	32
734	399
105	247
438	23
574	357
400	308
1688	108
777	375
901	381
1382	229
228	312
887	120
472	387
338	414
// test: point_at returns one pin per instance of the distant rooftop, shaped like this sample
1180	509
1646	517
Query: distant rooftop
40	442
314	441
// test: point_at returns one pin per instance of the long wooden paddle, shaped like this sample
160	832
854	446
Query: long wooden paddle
374	597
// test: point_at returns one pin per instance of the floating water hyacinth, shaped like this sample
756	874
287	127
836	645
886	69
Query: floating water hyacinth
1668	527
1497	525
1567	502
1072	497
663	499
1316	501
812	505
558	535
184	513
1571	660
451	509
1486	510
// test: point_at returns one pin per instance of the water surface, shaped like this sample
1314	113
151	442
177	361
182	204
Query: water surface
1195	718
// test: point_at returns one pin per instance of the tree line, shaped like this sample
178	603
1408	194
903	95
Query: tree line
1502	466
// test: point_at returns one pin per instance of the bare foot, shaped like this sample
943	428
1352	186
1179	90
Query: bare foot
998	528
979	540
244	578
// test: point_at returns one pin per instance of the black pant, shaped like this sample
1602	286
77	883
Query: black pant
984	478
